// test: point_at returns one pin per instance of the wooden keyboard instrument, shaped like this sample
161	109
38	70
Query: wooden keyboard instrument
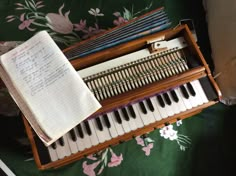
142	85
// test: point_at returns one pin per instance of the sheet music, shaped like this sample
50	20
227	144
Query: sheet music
49	85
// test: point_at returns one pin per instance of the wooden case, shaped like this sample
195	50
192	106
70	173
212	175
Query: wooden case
135	95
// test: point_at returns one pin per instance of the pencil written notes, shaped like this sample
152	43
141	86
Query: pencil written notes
46	87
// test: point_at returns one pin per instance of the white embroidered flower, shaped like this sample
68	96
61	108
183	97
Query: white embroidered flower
173	135
59	22
95	12
179	122
168	133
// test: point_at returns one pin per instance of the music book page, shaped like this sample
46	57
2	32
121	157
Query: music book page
46	87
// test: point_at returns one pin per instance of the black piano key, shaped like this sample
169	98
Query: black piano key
72	135
208	89
125	114
131	110
79	129
167	98
54	146
106	120
174	96
184	92
191	89
43	154
87	127
160	101
142	107
99	123
61	141
150	105
117	116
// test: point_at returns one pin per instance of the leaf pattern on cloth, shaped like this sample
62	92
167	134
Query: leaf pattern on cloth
62	29
98	162
146	143
168	132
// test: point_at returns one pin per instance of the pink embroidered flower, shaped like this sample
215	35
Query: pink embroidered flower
117	14
7	46
92	31
147	149
91	157
140	141
115	160
120	20
88	169
59	22
81	26
25	23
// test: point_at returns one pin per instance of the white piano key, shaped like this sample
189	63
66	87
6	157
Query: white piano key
180	103
117	125
192	100
161	110
131	121
52	153
197	98
72	144
200	90
147	118
137	107
93	138
174	105
138	121
79	141
132	124
124	123
156	113
63	151
185	101
168	109
86	139
103	135
106	131
112	129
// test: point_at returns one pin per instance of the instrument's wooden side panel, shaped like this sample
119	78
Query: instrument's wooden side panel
30	134
194	48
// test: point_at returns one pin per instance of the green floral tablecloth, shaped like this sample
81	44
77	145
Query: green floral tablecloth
195	146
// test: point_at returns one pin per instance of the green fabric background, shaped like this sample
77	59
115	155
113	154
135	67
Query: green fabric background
211	132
